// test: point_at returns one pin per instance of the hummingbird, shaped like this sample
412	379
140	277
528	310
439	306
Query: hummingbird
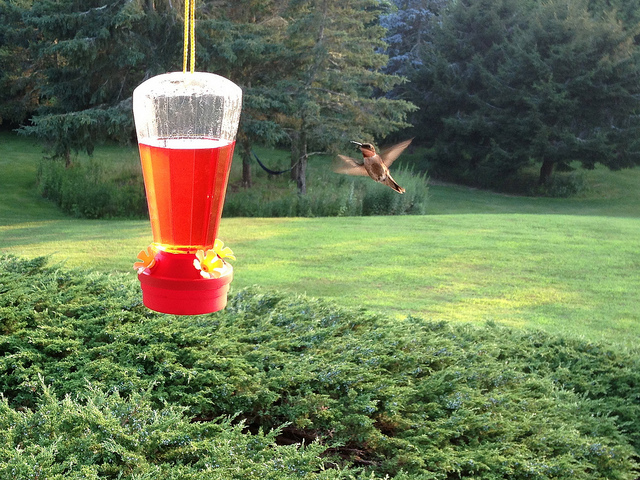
373	164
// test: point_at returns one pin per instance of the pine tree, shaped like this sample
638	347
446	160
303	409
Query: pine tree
89	57
409	27
244	41
508	82
17	77
336	85
309	69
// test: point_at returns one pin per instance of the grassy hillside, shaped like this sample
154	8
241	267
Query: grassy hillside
563	265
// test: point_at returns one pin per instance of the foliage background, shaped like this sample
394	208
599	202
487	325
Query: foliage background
369	396
502	87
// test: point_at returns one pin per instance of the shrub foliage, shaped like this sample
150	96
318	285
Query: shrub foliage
107	436
91	189
332	195
282	386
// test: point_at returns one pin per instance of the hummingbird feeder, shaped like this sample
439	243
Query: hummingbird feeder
186	124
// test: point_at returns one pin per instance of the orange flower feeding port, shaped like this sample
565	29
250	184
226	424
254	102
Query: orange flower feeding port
186	125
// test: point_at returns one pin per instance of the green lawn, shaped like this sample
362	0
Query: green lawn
567	266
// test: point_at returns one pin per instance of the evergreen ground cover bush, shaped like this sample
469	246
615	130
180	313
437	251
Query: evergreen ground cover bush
282	386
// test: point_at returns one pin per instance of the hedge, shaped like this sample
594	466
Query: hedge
285	386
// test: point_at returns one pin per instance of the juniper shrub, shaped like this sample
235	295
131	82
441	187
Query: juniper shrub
279	384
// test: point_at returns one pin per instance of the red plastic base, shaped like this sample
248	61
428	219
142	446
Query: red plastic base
173	285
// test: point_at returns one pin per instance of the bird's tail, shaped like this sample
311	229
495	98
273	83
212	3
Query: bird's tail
392	183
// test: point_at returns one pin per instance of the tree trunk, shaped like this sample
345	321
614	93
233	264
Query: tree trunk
545	171
246	163
301	179
295	154
302	176
67	158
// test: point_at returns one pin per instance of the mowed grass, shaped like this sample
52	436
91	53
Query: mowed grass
566	266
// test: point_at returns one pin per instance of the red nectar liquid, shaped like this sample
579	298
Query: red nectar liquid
186	182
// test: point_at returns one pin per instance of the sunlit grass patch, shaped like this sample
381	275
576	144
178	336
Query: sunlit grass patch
549	263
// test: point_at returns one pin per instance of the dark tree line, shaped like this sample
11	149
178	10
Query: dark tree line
500	84
505	84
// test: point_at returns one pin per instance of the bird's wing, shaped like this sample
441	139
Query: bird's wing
391	153
349	166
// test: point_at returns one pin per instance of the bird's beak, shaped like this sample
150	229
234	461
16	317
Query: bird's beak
356	143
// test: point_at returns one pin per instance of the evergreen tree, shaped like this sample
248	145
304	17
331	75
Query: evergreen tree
408	30
17	77
89	57
309	72
244	41
508	82
625	11
335	83
308	68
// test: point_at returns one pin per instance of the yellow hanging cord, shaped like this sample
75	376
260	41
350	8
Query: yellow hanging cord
186	36
192	18
189	51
